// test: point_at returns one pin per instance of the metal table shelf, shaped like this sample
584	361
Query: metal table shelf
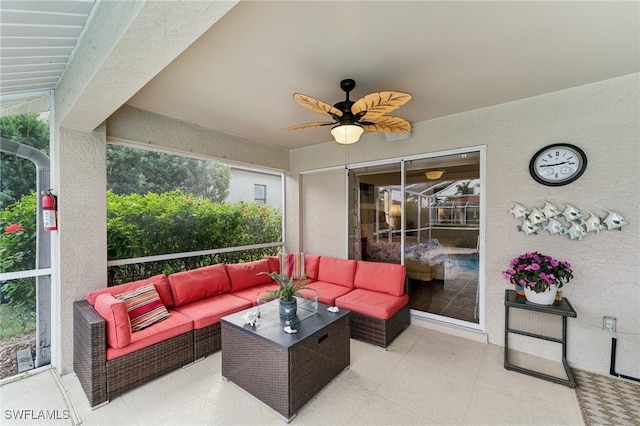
560	307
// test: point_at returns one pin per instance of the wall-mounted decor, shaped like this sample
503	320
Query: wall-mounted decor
558	164
568	221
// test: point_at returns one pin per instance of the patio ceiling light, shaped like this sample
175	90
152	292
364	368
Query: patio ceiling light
434	174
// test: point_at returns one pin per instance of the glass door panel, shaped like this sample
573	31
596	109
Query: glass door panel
442	230
375	200
430	222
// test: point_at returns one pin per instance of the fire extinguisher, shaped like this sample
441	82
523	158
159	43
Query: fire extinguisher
49	211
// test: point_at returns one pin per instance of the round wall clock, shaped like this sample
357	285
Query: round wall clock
558	164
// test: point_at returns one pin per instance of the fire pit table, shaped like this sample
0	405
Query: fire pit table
280	369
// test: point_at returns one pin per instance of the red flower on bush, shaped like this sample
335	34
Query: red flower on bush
13	228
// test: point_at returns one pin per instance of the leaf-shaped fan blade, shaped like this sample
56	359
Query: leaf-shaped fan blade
317	105
309	125
380	103
388	124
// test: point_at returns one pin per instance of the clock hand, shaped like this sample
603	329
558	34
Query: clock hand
553	165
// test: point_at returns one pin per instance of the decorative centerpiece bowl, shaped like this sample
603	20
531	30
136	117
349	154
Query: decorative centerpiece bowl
540	275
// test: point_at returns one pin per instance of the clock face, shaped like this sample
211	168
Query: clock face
558	164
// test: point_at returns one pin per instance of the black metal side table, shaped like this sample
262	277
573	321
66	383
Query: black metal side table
560	307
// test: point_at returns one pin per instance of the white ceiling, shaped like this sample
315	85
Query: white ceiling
453	56
38	38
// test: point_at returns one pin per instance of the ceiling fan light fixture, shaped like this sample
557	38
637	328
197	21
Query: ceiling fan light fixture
434	174
345	134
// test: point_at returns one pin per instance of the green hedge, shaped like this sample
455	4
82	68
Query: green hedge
147	225
172	222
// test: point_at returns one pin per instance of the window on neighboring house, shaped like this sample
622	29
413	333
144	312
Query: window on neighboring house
260	193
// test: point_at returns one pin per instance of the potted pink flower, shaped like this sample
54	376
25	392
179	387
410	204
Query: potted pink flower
540	275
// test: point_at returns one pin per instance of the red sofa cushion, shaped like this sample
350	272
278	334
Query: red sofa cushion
160	281
173	326
209	311
337	271
372	303
382	277
311	263
274	264
327	292
252	294
197	284
114	312
245	275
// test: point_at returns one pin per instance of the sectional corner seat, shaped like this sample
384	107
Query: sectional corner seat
110	358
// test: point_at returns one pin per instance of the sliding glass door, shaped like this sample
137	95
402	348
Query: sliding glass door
425	214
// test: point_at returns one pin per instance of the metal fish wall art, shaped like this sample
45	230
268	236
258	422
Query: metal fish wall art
536	216
572	213
576	231
575	225
528	228
518	211
593	223
614	220
550	210
554	227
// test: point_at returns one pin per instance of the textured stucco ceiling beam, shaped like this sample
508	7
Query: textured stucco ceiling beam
112	60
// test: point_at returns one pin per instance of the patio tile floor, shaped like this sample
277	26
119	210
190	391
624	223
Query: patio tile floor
424	378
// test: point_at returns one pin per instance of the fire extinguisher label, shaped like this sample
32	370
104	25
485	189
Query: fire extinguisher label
49	219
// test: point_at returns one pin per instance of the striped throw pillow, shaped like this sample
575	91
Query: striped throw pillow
144	307
292	265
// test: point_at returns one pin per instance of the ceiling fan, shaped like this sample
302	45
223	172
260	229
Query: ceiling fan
351	118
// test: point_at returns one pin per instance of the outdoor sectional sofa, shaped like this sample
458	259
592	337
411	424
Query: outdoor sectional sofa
110	358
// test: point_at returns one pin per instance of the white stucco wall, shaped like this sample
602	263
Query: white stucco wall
81	239
324	219
602	119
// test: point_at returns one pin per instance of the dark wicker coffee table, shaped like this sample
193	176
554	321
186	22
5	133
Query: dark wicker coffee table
285	370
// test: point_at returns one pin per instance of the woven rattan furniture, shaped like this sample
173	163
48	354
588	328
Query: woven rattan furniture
103	380
378	331
285	370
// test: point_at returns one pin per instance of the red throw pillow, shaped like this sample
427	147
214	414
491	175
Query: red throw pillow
144	307
114	312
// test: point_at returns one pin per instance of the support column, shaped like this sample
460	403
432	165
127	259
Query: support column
81	247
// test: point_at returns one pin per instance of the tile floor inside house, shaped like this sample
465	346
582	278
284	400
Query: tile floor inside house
425	377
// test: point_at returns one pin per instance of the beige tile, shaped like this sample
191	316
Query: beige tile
337	403
381	411
425	377
33	400
452	355
439	396
404	342
369	366
493	374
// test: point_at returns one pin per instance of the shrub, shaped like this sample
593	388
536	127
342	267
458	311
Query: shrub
18	250
172	222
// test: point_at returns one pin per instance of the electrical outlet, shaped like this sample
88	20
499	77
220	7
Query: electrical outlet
609	323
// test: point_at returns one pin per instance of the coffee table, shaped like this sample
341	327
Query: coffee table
285	370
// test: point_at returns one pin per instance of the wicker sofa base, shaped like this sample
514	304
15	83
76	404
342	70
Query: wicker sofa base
103	380
378	331
132	370
207	340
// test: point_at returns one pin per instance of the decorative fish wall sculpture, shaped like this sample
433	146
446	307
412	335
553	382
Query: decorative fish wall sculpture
576	227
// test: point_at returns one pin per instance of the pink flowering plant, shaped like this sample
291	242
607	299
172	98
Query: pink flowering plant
538	271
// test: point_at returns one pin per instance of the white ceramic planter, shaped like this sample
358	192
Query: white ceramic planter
546	297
